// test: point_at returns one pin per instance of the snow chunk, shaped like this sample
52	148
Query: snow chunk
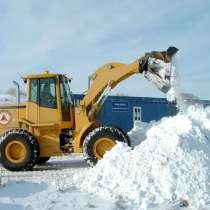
138	133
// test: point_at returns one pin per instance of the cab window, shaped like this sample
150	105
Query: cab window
47	97
34	90
65	99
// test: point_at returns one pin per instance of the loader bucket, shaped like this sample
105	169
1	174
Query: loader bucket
159	68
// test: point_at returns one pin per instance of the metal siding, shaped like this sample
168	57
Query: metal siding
171	109
151	109
108	116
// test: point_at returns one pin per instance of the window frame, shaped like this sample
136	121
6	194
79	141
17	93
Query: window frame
46	106
66	116
38	102
30	90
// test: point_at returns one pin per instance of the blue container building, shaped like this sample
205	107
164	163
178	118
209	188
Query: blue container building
122	111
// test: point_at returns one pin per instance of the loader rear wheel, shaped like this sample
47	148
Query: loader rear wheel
19	150
42	160
99	141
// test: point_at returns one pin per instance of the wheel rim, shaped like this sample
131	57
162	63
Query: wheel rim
15	151
101	146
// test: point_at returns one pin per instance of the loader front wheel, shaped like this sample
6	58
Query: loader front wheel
19	150
99	141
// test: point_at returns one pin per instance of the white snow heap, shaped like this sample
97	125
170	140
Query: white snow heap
138	133
7	99
172	163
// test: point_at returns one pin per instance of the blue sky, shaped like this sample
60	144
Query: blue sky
76	37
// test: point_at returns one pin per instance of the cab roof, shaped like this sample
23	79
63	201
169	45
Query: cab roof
46	74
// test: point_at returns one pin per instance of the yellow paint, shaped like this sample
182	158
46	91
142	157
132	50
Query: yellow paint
15	114
32	112
101	146
47	115
49	143
104	75
40	76
15	151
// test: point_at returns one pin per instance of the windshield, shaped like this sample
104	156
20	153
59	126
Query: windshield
65	90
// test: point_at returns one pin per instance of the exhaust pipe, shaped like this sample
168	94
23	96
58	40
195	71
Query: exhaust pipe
158	68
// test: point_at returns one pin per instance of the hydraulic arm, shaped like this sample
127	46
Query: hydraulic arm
155	66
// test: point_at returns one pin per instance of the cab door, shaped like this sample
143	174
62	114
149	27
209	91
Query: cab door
67	113
49	117
33	101
48	107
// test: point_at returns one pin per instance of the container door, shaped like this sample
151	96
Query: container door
136	113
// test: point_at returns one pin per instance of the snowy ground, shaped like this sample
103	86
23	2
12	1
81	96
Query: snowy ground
43	189
40	189
168	169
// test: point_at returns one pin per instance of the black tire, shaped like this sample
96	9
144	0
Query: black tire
111	133
126	136
31	148
42	160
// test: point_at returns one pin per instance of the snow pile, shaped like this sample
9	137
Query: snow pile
171	164
7	99
38	195
138	133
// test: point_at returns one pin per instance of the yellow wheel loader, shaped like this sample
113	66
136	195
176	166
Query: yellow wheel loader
48	124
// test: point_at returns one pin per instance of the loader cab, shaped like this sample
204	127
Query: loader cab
49	100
